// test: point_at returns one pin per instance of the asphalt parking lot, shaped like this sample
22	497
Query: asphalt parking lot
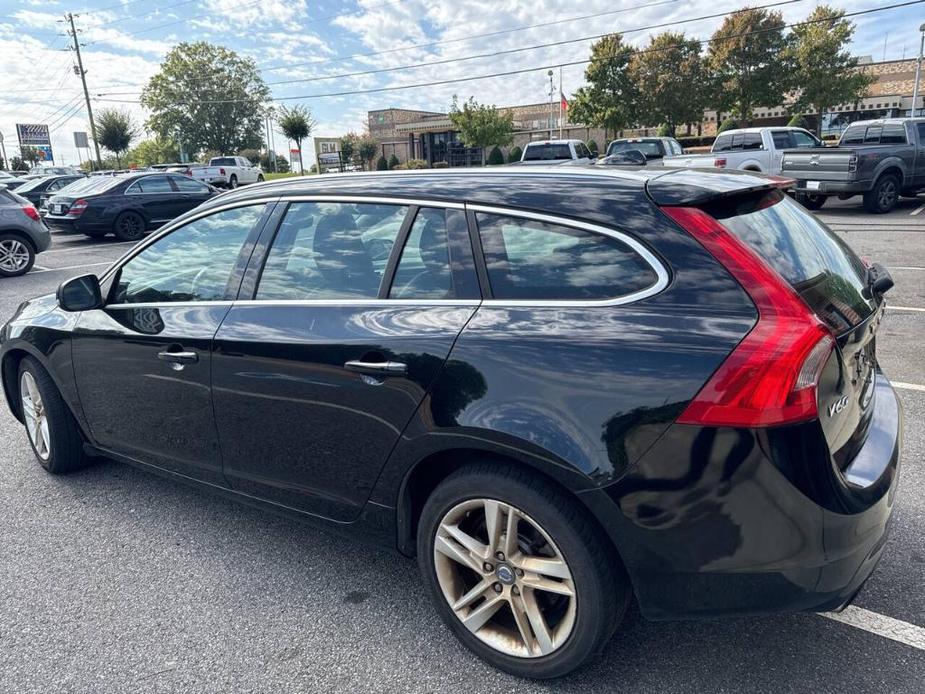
114	580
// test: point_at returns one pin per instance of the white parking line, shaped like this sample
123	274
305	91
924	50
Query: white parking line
904	308
908	386
917	210
881	625
66	267
905	267
91	247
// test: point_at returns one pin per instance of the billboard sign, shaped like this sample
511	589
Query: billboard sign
33	134
81	140
44	152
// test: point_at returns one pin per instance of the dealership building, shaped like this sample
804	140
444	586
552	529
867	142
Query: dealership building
430	136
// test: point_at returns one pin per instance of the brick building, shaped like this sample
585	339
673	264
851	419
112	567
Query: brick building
429	135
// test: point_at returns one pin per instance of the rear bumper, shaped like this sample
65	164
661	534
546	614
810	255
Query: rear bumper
726	521
63	223
816	187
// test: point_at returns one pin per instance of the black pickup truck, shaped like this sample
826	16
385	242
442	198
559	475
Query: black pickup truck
879	159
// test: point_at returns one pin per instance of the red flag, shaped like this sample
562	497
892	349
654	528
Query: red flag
563	103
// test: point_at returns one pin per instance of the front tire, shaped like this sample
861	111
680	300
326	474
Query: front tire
519	571
16	255
883	196
50	426
129	226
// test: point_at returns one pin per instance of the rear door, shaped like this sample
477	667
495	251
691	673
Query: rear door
342	325
833	282
156	198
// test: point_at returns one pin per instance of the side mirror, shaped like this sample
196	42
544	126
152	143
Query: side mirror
80	294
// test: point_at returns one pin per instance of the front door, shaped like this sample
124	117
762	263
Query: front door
142	362
190	193
156	198
315	378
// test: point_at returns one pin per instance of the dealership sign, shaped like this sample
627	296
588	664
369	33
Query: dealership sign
33	134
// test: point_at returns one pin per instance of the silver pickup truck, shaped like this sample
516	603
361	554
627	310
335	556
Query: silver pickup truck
747	149
878	159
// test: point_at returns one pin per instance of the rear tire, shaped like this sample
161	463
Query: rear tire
233	182
573	626
810	201
17	256
260	178
129	226
883	196
51	428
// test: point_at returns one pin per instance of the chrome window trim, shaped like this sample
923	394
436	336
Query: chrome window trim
661	273
372	302
375	200
169	304
129	191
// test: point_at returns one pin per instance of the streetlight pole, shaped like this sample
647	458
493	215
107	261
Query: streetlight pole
551	90
918	70
6	162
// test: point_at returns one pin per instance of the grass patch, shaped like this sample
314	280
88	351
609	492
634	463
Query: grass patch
275	176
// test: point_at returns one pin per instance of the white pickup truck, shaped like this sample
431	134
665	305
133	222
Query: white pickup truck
226	172
555	152
748	149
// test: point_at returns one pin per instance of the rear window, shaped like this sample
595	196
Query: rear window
806	253
223	161
33	184
647	147
547	152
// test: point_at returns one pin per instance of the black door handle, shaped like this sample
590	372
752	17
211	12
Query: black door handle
379	368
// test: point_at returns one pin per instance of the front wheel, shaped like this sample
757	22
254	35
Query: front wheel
129	226
883	196
16	255
519	571
50	426
811	201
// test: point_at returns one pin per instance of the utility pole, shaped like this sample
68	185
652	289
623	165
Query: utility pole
552	91
83	78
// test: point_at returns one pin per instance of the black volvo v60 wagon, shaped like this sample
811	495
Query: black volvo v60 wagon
560	389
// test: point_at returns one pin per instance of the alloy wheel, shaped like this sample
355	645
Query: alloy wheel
33	410
504	578
130	226
14	255
887	195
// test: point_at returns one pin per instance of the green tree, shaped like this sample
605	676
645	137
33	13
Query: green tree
515	154
749	62
267	163
252	155
393	161
366	150
382	164
30	155
156	151
481	125
825	72
609	100
296	124
347	148
727	124
592	146
17	164
669	74
207	97
495	157
115	130
796	121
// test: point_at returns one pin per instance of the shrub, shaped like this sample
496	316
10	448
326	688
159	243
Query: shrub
393	162
515	154
313	169
495	157
413	164
797	121
382	164
664	130
727	124
592	145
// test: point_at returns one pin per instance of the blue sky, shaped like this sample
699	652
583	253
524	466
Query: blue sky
301	42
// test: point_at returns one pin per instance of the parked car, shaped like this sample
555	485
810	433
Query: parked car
227	172
545	152
34	189
562	390
127	205
48	170
626	157
23	234
877	159
654	148
748	149
10	180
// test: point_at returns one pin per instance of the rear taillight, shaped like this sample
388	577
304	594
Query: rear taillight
853	162
221	172
188	172
772	376
720	162
31	212
77	207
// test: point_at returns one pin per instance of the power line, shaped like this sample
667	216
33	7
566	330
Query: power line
557	64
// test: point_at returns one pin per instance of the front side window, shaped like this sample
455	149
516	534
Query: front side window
192	263
533	260
921	129
674	147
330	250
781	139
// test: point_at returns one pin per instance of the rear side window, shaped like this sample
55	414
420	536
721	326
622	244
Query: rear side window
150	184
921	130
547	152
533	260
329	250
752	141
816	263
872	136
893	134
854	135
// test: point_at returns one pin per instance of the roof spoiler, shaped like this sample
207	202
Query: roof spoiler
692	187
